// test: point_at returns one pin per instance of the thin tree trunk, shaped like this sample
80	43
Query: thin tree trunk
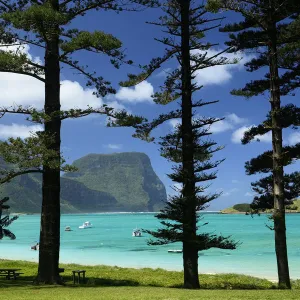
50	218
278	173
190	253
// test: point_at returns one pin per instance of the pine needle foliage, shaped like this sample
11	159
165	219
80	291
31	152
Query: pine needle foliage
189	146
269	28
48	25
6	221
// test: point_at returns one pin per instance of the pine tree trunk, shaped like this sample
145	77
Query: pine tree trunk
278	173
50	218
190	253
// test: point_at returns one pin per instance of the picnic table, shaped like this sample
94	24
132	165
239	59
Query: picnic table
10	273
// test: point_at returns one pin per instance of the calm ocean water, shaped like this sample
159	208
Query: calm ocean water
110	242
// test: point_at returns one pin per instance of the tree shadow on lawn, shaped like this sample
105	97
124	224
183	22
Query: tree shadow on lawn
28	281
215	283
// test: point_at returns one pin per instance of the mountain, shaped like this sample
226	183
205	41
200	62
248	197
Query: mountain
103	182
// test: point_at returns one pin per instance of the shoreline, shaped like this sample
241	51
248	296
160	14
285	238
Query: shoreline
260	276
110	212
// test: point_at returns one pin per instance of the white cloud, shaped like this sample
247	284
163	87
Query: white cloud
114	146
238	134
140	93
229	123
21	49
265	138
73	95
233	118
221	126
17	130
174	122
220	74
294	138
30	91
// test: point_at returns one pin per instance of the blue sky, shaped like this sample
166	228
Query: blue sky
89	134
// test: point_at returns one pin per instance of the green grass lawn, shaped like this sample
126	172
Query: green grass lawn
123	283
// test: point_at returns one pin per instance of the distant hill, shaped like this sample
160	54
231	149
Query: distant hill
245	208
103	182
237	208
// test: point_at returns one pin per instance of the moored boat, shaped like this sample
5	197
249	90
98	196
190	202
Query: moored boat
86	225
35	247
68	228
136	232
175	251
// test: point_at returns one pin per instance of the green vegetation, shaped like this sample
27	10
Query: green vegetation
237	208
188	146
295	206
245	207
114	182
270	29
126	283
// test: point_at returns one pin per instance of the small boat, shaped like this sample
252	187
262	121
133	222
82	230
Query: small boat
85	225
35	247
68	228
136	232
175	251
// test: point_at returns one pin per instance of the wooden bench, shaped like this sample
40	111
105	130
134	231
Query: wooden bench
78	272
10	273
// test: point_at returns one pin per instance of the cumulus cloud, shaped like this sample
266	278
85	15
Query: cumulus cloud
30	91
174	122
221	126
219	75
238	134
140	93
229	123
17	130
234	119
21	49
114	146
294	138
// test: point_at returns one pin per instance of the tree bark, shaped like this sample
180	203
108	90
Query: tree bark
50	218
190	252
278	172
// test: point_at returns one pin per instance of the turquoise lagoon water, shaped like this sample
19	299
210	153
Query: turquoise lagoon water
110	242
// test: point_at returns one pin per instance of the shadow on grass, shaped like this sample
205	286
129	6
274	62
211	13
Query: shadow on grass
28	282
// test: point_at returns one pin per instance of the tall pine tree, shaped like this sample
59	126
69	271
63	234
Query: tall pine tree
47	24
289	117
266	26
189	145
